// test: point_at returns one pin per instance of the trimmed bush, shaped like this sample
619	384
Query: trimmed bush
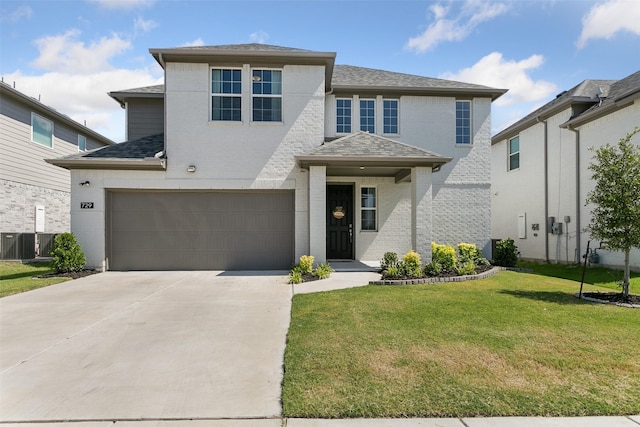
469	252
67	254
466	268
295	275
306	264
389	259
506	253
323	271
444	255
412	264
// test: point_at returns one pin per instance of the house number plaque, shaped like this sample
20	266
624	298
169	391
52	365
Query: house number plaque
86	205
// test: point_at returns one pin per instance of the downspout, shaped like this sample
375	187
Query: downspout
546	186
578	240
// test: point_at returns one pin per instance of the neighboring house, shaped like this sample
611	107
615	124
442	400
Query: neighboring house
540	177
34	195
250	156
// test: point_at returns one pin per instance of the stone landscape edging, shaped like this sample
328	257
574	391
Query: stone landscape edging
425	280
602	301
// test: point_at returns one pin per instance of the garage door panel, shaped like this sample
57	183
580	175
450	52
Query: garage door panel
200	230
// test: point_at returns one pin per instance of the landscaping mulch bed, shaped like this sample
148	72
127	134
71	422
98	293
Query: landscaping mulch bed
479	270
72	274
613	297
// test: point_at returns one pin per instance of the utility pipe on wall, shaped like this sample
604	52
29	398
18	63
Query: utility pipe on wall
546	185
578	240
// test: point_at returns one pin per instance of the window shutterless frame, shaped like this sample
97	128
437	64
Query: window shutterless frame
82	143
266	95
41	130
463	122
226	94
514	153
390	116
368	209
368	115
343	115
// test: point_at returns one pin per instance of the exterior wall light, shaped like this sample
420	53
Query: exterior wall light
191	168
85	184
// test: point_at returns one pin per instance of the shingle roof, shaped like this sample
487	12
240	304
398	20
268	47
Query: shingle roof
585	92
255	47
364	149
143	153
349	75
145	89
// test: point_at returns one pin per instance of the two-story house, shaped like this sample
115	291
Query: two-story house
34	195
250	156
540	176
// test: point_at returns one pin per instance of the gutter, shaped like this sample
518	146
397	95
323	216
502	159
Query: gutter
578	219
546	185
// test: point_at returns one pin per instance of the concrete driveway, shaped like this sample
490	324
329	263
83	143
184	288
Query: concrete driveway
145	345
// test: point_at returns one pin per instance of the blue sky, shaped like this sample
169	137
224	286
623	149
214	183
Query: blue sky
70	53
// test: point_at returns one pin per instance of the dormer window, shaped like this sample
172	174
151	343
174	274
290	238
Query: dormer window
226	94
267	95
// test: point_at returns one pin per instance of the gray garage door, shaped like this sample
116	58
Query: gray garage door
200	230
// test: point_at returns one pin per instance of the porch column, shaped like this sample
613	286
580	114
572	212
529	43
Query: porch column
421	206
317	213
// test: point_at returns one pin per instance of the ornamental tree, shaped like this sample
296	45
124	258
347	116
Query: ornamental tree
616	196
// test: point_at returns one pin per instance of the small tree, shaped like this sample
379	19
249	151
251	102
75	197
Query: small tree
616	196
67	254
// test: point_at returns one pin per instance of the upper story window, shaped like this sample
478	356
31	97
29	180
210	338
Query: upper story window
368	208
514	153
368	115
41	130
82	143
267	95
463	122
343	115
226	94
390	111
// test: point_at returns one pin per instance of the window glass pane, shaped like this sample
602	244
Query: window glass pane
390	108
42	130
343	115
367	115
368	197
82	143
369	220
514	161
463	122
514	145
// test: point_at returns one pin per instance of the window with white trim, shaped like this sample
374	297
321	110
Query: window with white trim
514	153
41	130
368	208
368	115
226	94
463	122
267	95
390	115
343	115
82	143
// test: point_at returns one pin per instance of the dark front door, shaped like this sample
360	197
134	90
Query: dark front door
339	222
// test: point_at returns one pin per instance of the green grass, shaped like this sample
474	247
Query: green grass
16	277
599	276
516	344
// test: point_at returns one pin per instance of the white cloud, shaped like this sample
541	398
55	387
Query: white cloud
140	25
65	53
196	42
455	28
17	15
124	4
259	37
84	97
495	71
606	19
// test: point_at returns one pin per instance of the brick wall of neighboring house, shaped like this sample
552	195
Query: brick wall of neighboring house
18	203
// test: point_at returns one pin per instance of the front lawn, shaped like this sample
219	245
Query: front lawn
514	344
16	277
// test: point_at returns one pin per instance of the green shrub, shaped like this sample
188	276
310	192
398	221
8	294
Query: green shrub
67	254
306	264
323	271
444	255
295	275
432	269
389	259
466	268
469	252
506	253
412	264
392	273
